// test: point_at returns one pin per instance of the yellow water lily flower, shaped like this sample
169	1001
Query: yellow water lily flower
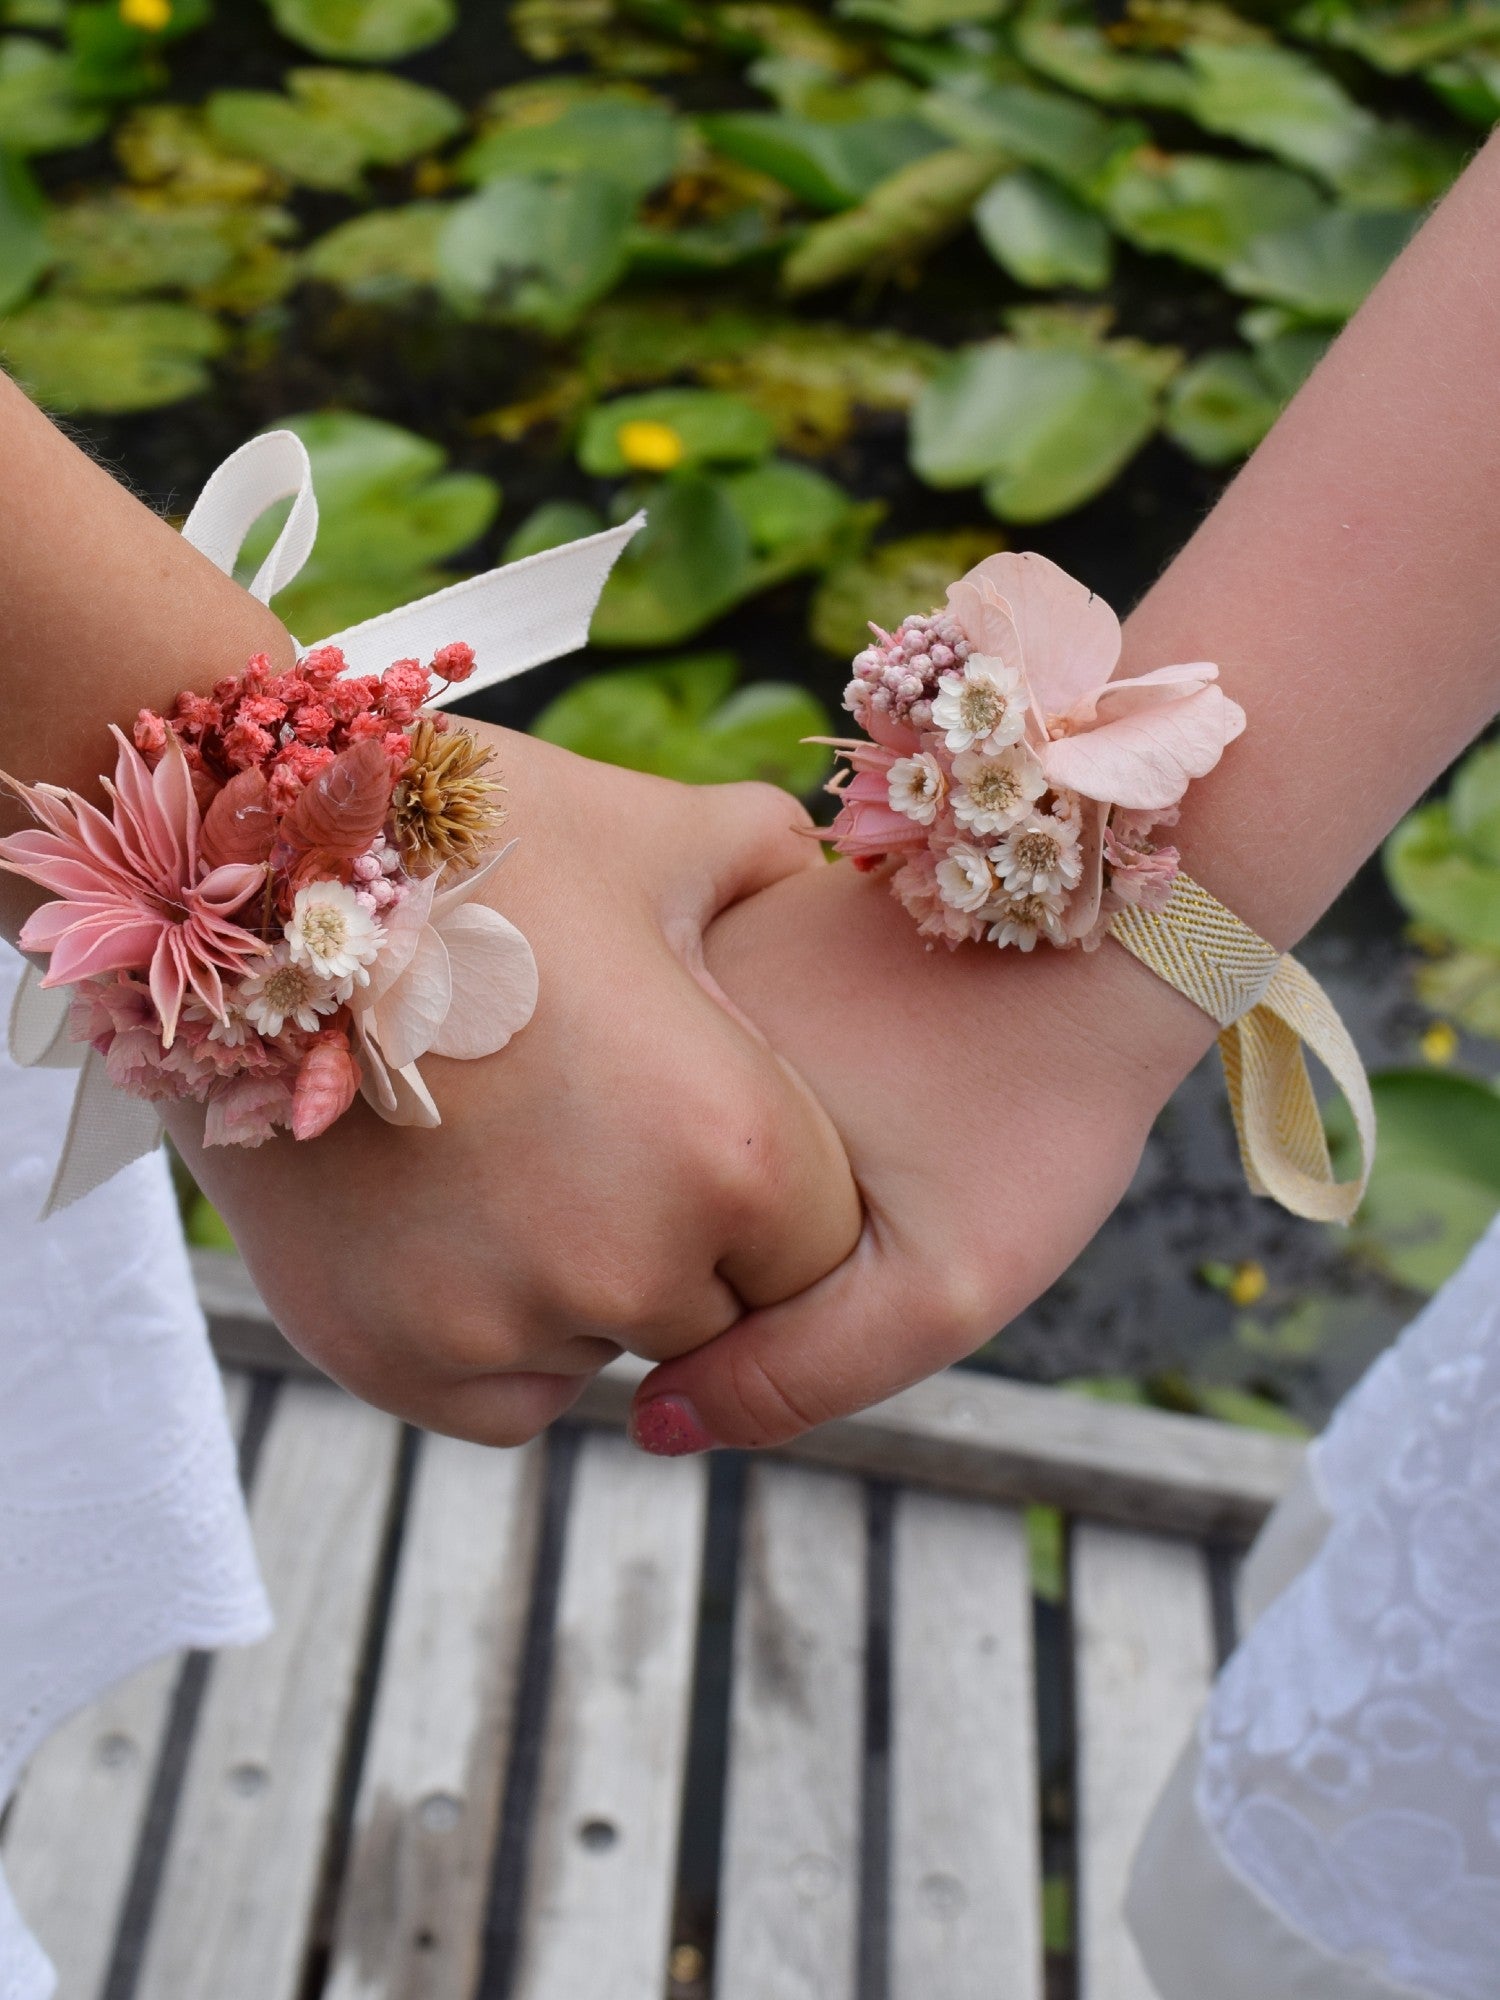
649	446
151	16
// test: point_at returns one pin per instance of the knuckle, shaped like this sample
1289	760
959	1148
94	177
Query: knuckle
619	1296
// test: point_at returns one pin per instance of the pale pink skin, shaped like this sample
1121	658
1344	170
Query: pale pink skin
1136	743
130	887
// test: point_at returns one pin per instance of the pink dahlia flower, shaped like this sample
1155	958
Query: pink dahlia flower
131	887
1136	743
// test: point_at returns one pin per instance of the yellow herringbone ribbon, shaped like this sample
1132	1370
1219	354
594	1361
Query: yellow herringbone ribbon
1268	1007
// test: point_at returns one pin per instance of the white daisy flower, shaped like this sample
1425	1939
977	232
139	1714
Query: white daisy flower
1039	857
333	935
964	878
915	786
281	990
992	793
1022	920
983	707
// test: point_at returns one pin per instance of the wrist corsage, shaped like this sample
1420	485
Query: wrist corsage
277	910
1013	792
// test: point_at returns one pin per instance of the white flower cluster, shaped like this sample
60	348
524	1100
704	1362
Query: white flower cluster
327	947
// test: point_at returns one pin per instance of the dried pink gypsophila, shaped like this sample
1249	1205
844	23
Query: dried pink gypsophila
897	677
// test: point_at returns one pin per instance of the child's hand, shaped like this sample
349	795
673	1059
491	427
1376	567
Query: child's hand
993	1107
628	1172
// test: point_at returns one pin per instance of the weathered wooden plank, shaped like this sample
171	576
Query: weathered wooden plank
960	1432
596	1921
71	1839
965	1877
1143	1659
789	1884
242	1868
411	1913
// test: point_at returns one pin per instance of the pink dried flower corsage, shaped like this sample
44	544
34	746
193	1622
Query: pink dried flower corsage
256	924
1012	789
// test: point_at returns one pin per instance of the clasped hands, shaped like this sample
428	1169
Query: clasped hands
756	1133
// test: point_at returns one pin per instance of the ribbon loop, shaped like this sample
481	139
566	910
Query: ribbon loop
1269	1008
272	467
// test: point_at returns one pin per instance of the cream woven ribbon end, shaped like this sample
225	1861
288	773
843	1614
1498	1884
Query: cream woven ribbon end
1268	1006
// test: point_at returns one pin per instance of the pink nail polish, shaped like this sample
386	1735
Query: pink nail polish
668	1427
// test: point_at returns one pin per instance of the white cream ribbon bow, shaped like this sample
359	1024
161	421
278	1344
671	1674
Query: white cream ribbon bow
515	617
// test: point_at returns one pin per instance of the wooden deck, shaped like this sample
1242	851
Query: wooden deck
567	1723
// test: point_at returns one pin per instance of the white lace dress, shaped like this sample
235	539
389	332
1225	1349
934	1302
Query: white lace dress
1334	1832
122	1530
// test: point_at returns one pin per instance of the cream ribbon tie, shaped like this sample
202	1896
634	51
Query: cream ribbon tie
515	617
1268	1008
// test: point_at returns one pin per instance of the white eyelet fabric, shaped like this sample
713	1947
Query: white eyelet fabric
123	1532
1338	1819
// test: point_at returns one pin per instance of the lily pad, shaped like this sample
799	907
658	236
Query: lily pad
1436	1183
704	427
691	561
123	243
1038	128
24	249
1220	407
389	514
922	17
1402	36
549	526
678	719
383	255
168	147
1044	428
1325	265
80	354
333	125
899	222
887	582
1043	235
1070	48
40	108
1443	860
620	138
1464	986
829	165
1204	210
365	30
534	249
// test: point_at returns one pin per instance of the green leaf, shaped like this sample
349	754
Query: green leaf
1204	210
388	514
1443	860
1279	101
535	250
122	243
711	428
365	30
1073	51
1245	1408
549	526
1402	36
24	249
678	719
380	256
1436	1180
1220	407
1045	429
1040	128
621	139
922	17
790	507
168	148
334	124
830	166
1464	985
901	220
690	562
1047	1549
40	109
1042	234
77	354
1323	266
886	583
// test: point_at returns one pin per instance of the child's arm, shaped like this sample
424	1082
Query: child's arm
633	1167
1349	586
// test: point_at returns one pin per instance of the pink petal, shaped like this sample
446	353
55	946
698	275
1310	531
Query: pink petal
100	946
893	735
979	602
404	924
1082	912
409	1016
471	884
226	887
405	1099
1117	698
168	982
327	1084
1147	759
494	984
1070	639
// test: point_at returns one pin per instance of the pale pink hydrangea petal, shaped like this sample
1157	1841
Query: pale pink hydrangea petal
1069	638
409	1014
1116	698
460	892
403	925
494	983
1148	757
989	623
1082	911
